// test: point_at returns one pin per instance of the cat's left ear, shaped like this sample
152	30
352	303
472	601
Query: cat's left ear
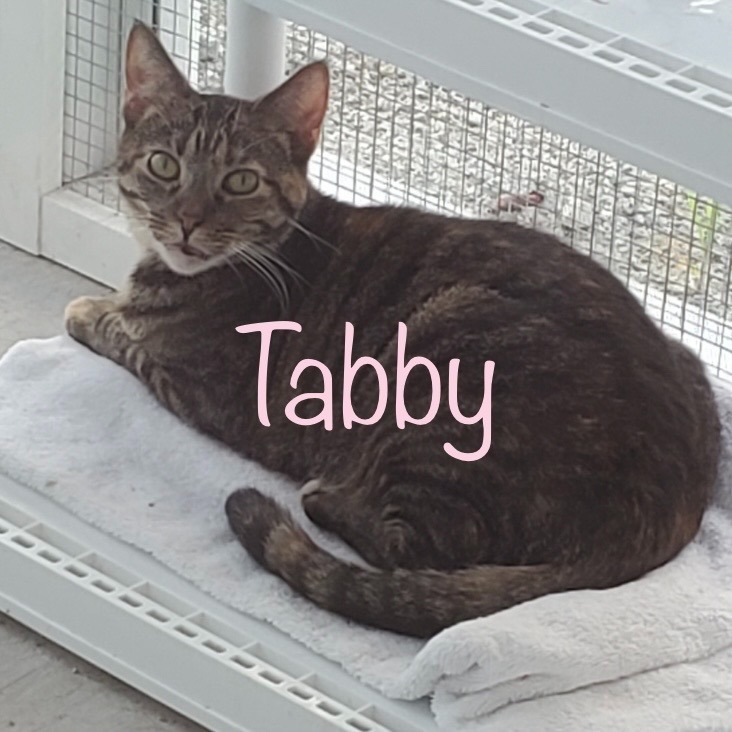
151	76
300	105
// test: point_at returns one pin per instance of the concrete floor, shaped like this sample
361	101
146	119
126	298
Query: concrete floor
43	688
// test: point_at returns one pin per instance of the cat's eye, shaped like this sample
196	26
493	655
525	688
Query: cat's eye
163	165
241	182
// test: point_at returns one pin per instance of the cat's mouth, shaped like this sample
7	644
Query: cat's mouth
186	259
188	250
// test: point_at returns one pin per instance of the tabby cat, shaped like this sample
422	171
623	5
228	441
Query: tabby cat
605	435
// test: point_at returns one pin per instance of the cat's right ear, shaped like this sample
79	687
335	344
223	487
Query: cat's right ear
300	105
150	75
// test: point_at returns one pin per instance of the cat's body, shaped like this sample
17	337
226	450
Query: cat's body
605	436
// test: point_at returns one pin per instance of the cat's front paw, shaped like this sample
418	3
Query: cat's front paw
82	316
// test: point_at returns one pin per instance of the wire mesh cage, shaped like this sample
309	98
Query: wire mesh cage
394	137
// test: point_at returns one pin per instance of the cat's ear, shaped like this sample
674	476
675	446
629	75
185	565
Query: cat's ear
150	75
300	105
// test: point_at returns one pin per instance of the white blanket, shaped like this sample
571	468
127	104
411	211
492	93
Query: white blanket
654	655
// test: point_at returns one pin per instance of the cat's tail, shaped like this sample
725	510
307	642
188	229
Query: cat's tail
413	602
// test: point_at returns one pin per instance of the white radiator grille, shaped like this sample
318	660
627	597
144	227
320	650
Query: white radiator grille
394	137
44	555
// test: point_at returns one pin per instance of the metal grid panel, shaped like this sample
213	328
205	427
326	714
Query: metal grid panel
392	136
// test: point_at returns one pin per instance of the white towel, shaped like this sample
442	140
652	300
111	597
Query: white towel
653	655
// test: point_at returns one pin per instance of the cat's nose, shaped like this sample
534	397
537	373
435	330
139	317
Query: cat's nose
188	224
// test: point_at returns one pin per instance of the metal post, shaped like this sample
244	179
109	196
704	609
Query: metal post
255	51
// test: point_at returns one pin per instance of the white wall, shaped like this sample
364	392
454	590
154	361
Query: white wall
31	113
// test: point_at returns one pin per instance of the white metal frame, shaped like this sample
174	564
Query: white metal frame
124	612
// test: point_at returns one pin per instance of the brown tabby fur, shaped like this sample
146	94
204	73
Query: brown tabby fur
605	433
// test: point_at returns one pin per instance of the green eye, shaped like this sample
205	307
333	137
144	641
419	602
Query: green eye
241	182
163	165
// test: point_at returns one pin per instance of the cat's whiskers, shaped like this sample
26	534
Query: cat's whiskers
235	271
279	261
108	172
276	274
310	234
273	279
275	261
263	252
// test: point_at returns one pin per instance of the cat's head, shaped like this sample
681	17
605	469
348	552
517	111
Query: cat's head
207	177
